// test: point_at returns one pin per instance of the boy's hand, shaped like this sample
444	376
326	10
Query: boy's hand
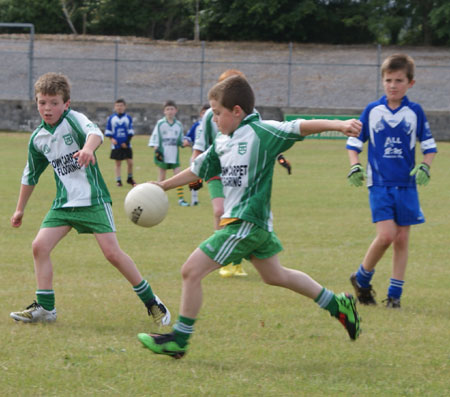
356	175
197	185
159	155
284	163
351	127
113	141
124	145
85	157
422	173
16	219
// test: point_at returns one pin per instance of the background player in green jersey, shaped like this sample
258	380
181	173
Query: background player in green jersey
244	153
167	138
67	140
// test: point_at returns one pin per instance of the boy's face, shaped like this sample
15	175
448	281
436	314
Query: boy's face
170	112
119	107
51	107
396	84
227	120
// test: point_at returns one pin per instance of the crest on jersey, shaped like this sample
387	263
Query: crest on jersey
46	149
242	148
68	139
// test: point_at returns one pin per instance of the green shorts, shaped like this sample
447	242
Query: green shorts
241	240
215	188
166	166
93	219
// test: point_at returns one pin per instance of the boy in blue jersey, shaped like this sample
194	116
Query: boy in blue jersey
189	140
67	140
244	154
392	125
119	128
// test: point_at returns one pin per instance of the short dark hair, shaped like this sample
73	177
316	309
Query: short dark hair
170	103
120	100
234	90
397	62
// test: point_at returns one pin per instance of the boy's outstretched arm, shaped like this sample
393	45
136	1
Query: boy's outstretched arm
24	195
183	178
86	155
351	127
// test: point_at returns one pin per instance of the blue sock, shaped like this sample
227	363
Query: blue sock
395	288
363	277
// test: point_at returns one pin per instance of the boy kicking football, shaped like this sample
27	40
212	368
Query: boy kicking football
244	154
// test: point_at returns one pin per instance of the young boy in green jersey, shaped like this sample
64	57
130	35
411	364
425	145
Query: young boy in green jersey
167	137
244	153
67	140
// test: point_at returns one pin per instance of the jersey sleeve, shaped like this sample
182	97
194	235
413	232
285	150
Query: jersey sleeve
207	165
356	143
427	142
282	134
108	129
36	165
154	138
83	127
130	126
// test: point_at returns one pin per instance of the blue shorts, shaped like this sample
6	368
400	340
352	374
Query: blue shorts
400	204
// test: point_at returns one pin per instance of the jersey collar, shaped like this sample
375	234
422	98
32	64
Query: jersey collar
52	128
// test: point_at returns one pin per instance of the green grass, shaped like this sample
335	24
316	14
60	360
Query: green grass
251	339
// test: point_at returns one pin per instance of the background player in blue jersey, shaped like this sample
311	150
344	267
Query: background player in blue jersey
189	140
392	126
119	128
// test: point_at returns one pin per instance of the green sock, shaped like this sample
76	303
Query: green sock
46	298
144	291
183	329
327	300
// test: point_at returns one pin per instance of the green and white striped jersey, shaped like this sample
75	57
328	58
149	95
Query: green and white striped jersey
206	132
76	186
245	161
168	138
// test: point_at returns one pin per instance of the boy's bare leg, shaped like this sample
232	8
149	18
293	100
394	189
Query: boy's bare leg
386	233
217	205
43	244
130	166
114	254
193	271
161	175
273	273
117	169
400	257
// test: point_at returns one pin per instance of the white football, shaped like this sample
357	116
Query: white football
146	204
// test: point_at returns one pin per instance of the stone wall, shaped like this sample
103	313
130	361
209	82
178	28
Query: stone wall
23	115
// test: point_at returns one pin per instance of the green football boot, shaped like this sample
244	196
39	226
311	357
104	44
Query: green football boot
163	344
347	315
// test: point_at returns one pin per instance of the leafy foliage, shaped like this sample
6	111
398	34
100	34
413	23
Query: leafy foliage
320	21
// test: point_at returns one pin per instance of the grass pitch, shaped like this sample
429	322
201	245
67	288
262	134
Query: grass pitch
250	339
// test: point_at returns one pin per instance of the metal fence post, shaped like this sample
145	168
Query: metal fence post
202	67
116	68
289	75
31	58
378	69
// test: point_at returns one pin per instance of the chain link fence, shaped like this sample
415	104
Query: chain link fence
144	71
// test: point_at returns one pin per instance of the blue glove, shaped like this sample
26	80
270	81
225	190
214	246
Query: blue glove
422	173
356	175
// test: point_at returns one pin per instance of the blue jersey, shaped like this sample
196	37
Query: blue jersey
392	136
190	136
119	127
